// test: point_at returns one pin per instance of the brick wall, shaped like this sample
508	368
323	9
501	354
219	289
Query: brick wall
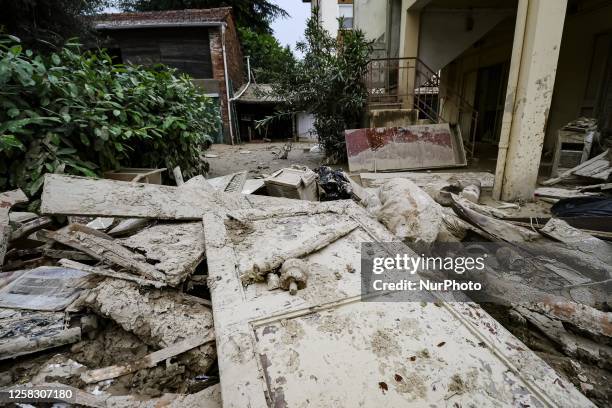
235	67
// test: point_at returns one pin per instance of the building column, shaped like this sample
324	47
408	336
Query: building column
408	48
537	39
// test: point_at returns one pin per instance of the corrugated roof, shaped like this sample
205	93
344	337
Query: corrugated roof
258	93
168	18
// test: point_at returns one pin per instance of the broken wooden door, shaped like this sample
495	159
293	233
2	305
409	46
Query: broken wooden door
325	347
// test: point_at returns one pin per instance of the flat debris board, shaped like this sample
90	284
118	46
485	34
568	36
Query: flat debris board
404	148
47	288
71	195
324	347
371	180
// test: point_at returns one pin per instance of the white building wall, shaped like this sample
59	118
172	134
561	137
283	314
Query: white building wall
328	15
444	34
370	16
305	126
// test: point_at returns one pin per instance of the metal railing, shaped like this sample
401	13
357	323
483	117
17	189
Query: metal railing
408	83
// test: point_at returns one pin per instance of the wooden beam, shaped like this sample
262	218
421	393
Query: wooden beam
7	200
571	171
151	360
70	195
109	273
107	251
24	346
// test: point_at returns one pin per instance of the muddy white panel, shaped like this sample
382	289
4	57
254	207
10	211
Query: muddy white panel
325	347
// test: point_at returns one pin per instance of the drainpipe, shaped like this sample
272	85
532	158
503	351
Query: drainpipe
248	81
227	89
513	77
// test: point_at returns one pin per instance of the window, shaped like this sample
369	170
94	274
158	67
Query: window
345	11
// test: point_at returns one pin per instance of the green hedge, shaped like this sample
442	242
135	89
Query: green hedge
75	112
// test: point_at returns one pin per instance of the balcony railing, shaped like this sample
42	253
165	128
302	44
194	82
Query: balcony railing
407	83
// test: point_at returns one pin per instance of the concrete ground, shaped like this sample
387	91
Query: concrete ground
259	158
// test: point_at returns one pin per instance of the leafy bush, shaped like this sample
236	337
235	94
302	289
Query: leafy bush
328	82
78	113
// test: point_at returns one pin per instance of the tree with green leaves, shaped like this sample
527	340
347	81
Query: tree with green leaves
41	22
77	113
267	55
327	82
253	14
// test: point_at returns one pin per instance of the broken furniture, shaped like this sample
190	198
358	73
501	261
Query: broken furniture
296	183
573	145
404	148
597	168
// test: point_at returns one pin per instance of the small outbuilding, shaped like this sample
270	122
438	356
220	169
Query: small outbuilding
202	43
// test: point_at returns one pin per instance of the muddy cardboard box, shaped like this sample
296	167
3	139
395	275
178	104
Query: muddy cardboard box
295	183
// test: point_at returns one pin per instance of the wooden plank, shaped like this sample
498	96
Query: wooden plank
129	226
579	240
7	200
576	346
24	332
151	360
23	346
178	176
5	234
573	170
107	251
601	187
328	235
174	249
70	195
252	185
77	397
209	397
603	175
552	192
423	179
68	263
60	253
496	228
20	217
30	227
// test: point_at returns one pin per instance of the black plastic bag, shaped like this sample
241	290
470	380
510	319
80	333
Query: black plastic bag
583	207
334	184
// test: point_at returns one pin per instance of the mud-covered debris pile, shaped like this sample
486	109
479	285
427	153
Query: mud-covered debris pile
108	294
107	290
